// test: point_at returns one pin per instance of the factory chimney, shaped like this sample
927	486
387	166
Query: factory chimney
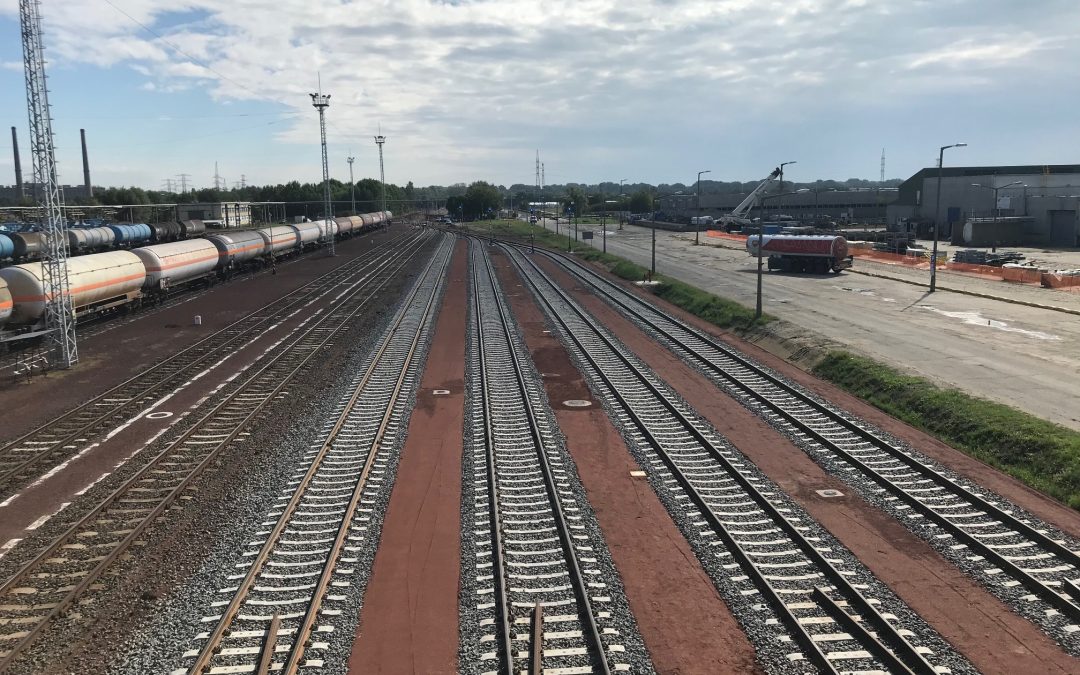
86	166
18	166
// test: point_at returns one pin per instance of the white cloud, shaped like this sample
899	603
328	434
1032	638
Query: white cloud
463	86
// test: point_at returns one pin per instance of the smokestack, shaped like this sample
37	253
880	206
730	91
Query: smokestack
86	166
18	166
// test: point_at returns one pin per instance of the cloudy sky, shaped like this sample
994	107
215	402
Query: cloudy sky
607	89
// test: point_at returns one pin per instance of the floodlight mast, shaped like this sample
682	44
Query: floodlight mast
59	308
321	102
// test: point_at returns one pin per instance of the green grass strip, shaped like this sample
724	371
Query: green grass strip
1044	455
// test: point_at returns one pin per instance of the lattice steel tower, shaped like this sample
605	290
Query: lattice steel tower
379	140
321	103
59	311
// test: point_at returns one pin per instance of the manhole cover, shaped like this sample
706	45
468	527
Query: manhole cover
577	403
158	415
829	494
440	392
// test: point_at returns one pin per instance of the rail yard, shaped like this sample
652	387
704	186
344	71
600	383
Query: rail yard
440	453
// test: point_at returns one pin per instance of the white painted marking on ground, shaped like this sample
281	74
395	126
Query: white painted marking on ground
44	519
8	545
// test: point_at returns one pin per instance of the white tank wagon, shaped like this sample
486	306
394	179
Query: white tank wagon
175	263
98	281
6	303
309	233
327	226
238	247
280	238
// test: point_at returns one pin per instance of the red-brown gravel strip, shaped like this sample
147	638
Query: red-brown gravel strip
409	620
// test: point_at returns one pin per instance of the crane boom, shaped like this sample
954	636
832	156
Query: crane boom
738	214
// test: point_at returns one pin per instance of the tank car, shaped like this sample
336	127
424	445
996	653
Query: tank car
280	238
178	262
6	305
7	247
192	228
128	234
86	239
237	247
28	245
98	281
309	233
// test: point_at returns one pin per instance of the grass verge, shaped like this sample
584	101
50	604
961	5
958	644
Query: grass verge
1044	455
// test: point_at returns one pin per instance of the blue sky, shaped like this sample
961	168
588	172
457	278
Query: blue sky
607	89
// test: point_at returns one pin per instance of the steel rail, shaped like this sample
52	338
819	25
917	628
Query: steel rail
202	661
104	562
906	660
562	527
202	351
1059	600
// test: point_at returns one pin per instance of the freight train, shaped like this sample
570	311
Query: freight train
799	253
125	278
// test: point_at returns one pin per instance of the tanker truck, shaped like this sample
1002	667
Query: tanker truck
818	254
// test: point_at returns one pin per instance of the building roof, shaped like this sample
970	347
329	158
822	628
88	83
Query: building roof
912	185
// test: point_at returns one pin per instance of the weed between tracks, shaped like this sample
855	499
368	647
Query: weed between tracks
1045	456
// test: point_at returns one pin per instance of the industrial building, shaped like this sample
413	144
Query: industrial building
1036	205
808	204
217	214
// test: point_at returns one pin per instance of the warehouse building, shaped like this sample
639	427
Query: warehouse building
1029	205
864	205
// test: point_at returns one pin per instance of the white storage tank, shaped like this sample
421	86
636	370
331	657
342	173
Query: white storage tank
97	279
280	238
236	247
176	262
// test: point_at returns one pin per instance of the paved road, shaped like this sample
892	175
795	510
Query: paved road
1022	356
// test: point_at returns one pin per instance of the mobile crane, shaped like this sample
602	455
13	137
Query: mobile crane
737	217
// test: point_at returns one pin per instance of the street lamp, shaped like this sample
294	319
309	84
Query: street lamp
622	195
780	202
696	229
937	210
995	191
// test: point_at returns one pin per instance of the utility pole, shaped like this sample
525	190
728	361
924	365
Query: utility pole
379	140
217	177
352	184
59	310
321	103
183	181
780	193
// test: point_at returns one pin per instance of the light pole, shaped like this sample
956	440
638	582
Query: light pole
352	185
379	140
697	229
321	103
780	202
937	209
994	215
653	228
622	197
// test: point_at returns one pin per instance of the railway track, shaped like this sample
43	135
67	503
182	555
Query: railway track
74	565
296	570
546	609
1014	554
809	599
26	457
